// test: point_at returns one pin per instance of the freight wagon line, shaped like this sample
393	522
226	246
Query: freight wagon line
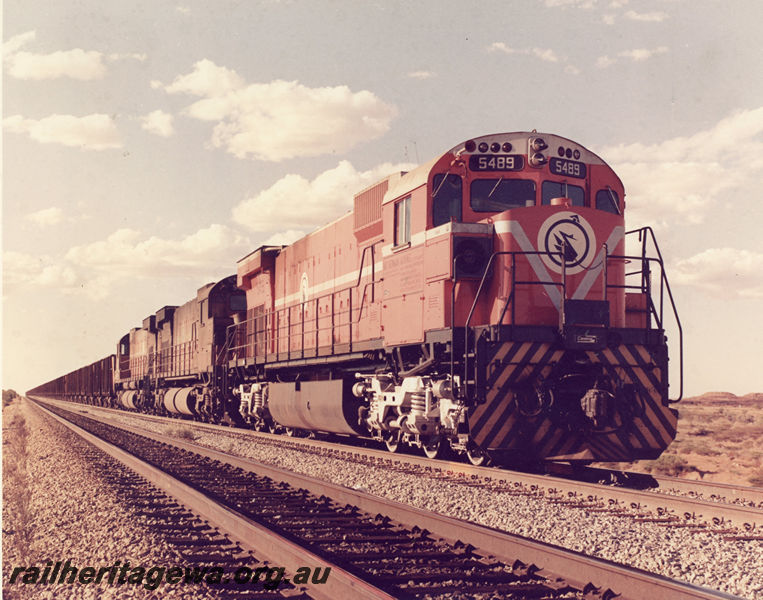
454	558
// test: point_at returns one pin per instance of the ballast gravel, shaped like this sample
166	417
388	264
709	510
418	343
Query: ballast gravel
703	559
55	508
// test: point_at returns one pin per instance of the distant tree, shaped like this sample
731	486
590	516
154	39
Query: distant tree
8	396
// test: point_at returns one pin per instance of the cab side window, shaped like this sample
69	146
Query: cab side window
403	222
447	194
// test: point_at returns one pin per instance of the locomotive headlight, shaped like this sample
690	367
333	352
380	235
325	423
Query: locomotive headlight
537	160
535	147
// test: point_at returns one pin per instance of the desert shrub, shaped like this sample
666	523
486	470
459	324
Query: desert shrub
9	396
17	491
701	447
184	433
757	477
671	465
702	431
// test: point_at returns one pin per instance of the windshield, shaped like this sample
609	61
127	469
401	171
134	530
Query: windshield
554	189
496	195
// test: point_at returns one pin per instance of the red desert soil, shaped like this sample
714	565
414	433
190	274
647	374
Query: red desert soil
720	438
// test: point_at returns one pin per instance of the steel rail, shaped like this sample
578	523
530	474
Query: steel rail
578	569
712	511
707	488
251	536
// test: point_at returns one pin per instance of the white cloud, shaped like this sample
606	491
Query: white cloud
295	203
640	54
46	216
79	64
159	123
24	270
18	41
283	238
545	54
422	75
91	132
605	61
682	179
95	268
608	19
651	17
140	57
727	272
281	119
124	251
206	79
636	55
75	64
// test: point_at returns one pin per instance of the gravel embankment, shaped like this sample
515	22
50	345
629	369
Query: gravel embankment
699	558
56	507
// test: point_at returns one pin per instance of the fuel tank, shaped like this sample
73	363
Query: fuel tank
316	406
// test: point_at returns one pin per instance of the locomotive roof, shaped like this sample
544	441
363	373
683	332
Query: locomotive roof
410	181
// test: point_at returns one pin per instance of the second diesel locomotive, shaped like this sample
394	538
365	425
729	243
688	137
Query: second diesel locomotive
483	302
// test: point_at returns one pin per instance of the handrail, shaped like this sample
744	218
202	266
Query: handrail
279	332
514	283
645	233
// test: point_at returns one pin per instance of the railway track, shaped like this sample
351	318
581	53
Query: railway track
375	548
733	512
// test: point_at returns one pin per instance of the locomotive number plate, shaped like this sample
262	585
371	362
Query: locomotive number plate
495	162
559	166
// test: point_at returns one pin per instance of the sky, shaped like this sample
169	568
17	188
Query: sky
149	145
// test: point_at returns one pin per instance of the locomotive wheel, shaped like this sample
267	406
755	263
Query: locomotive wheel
433	447
393	442
476	456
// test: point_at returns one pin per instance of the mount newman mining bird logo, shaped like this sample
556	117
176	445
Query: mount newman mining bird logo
566	236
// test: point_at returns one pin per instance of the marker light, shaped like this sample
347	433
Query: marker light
495	147
483	147
507	146
538	144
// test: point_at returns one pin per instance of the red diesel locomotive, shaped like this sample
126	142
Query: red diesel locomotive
483	302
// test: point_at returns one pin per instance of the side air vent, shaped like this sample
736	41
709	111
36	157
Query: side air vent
368	211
